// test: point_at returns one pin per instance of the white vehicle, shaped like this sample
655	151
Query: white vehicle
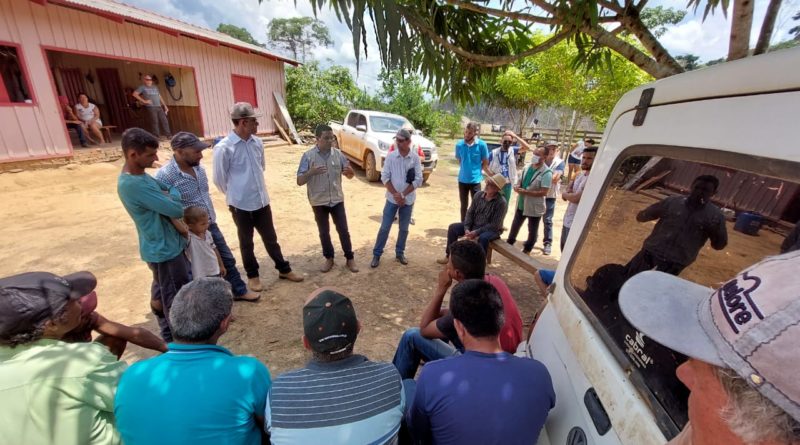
734	121
365	138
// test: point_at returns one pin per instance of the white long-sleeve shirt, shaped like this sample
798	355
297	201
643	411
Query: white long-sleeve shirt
239	172
394	170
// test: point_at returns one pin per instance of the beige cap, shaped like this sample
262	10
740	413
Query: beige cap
498	180
243	110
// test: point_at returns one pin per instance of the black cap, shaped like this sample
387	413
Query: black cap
329	322
184	139
28	299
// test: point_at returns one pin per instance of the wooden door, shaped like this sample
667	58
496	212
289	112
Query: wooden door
116	105
72	79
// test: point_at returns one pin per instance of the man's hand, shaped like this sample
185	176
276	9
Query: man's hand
147	101
471	234
222	271
166	109
318	170
347	170
444	280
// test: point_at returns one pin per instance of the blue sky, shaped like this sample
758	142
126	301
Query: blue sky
708	39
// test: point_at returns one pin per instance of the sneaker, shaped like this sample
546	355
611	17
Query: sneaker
376	260
443	260
254	284
291	276
547	249
351	264
402	259
327	265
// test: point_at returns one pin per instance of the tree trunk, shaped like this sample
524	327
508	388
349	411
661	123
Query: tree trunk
741	23
630	52
767	27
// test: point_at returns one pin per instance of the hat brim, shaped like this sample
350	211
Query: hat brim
248	116
667	309
81	283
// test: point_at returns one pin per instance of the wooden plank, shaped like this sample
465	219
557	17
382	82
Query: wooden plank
280	130
515	255
638	176
286	117
651	181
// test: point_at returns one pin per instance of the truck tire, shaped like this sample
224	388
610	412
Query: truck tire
369	168
425	177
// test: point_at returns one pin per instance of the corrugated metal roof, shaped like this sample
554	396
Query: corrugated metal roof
113	9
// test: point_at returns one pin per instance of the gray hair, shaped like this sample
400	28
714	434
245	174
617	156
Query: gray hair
199	308
752	416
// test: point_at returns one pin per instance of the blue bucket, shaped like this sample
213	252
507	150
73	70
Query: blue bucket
748	223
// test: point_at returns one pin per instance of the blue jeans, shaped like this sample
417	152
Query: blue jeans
168	278
229	261
548	220
457	230
389	210
414	347
564	235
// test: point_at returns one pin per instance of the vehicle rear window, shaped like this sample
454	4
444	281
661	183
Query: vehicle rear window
662	213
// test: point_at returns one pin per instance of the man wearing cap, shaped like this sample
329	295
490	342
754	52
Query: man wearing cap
684	225
741	340
485	395
534	185
402	176
574	192
239	173
339	397
503	161
153	205
149	96
52	391
185	173
484	221
321	170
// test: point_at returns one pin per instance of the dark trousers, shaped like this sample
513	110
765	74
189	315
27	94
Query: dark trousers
158	118
645	260
533	229
168	278
78	129
457	230
464	190
260	220
229	261
339	217
564	235
548	220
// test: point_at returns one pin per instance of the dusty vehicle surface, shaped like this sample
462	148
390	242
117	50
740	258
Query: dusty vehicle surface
365	137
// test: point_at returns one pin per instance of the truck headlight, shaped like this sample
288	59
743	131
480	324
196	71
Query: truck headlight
383	146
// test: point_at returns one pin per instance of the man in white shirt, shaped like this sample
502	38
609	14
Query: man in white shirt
401	175
575	190
239	174
556	165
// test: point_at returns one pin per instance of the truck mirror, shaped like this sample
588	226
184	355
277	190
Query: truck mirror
361	128
418	132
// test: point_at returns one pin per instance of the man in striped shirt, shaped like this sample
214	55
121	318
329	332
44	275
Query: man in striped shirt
339	397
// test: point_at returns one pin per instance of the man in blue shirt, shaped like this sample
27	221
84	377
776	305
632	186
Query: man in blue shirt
485	395
473	157
197	392
153	205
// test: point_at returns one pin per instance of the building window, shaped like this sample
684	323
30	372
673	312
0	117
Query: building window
244	90
15	87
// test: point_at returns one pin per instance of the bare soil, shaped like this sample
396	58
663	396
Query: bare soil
69	218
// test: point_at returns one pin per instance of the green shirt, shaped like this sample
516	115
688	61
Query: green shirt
144	199
526	181
54	392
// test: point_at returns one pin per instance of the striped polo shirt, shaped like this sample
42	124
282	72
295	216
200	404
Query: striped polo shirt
348	401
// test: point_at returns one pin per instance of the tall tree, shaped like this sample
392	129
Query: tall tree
238	33
298	35
315	95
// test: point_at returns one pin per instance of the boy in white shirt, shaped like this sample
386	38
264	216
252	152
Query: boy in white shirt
200	250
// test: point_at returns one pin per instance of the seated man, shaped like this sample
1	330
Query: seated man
339	397
72	121
52	391
485	395
197	392
467	261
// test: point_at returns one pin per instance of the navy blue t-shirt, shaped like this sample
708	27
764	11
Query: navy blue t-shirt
481	398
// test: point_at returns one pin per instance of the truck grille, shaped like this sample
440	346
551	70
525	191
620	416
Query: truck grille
427	152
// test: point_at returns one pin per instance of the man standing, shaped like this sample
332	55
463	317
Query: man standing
150	97
556	166
484	221
503	161
534	185
152	205
428	341
401	175
338	397
197	392
684	225
741	340
473	158
185	173
486	395
239	173
321	170
574	192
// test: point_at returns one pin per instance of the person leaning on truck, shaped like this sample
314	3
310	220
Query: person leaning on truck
741	340
321	170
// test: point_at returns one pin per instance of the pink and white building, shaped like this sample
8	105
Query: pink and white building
51	50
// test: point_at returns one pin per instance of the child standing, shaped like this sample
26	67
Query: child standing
201	251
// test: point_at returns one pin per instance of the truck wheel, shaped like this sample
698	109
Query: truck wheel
425	177
369	167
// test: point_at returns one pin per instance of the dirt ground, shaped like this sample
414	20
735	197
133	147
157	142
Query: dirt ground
70	218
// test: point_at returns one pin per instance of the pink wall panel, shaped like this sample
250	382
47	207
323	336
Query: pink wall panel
36	130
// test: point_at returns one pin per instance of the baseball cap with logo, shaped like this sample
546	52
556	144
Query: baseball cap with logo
28	299
243	110
750	324
184	139
329	322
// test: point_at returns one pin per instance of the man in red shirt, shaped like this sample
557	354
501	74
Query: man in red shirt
436	336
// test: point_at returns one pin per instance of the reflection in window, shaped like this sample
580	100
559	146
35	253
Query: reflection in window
14	88
702	222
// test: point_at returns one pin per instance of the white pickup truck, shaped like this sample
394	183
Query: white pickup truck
365	138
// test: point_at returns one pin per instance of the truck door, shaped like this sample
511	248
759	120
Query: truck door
349	135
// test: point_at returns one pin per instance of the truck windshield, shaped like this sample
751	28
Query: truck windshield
387	124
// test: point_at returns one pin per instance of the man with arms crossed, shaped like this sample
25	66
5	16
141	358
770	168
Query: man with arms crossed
574	192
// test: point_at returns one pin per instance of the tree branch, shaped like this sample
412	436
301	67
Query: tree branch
630	52
611	6
767	27
631	20
469	6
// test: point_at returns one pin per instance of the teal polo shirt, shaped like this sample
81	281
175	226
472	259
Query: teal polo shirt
471	158
192	394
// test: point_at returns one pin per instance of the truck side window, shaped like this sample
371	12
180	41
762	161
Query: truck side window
352	119
703	222
362	120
